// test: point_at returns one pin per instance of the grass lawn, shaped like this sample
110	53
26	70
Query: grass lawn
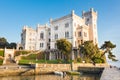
23	61
1	52
1	62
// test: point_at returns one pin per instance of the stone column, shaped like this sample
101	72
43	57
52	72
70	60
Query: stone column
78	55
50	56
73	55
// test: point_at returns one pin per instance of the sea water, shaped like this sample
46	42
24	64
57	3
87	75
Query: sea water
54	77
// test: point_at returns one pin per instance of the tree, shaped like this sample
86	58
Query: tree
3	42
12	45
107	47
65	47
90	52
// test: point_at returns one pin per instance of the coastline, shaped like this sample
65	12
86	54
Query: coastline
17	70
20	72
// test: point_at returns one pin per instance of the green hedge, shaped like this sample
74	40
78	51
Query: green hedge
1	62
17	53
23	61
30	61
1	52
30	57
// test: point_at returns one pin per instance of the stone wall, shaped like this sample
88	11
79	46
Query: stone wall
13	70
77	66
49	68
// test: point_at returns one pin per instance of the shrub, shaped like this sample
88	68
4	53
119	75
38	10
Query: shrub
1	62
98	60
87	60
17	53
2	53
23	61
79	60
30	57
59	60
40	55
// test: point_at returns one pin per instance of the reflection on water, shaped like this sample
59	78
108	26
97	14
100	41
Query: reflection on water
54	77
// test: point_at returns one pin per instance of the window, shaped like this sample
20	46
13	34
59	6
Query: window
41	45
67	34
75	34
87	19
56	28
78	41
81	41
79	34
85	34
55	46
56	36
66	25
22	38
49	40
49	33
42	35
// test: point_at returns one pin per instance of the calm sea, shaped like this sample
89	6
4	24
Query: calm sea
117	63
53	77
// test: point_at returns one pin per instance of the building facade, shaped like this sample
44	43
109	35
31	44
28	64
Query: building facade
74	28
35	39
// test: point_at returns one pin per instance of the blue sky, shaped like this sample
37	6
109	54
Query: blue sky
14	14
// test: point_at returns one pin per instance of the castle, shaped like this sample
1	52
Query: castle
74	28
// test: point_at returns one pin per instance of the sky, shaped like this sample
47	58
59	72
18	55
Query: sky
14	14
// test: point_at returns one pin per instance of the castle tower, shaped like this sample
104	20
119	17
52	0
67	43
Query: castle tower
91	20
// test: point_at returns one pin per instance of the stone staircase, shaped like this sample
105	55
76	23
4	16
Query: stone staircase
10	61
25	55
1	57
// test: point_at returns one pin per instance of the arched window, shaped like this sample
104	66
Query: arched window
79	34
41	35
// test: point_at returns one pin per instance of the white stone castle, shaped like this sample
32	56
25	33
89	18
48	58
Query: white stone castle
74	28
